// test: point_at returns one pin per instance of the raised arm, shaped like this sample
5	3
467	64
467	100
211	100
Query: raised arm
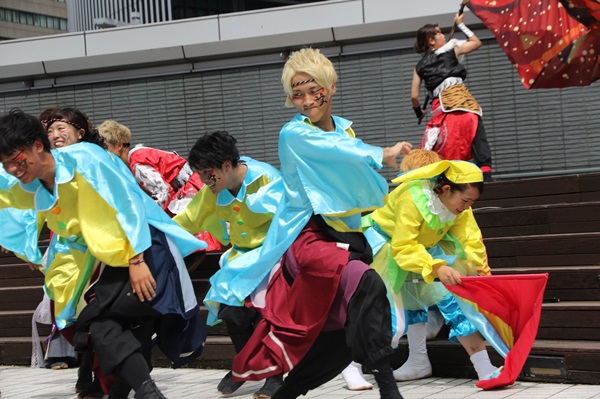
472	43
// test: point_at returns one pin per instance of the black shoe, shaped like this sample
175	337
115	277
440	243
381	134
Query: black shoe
487	177
388	388
149	390
119	390
92	391
272	384
227	385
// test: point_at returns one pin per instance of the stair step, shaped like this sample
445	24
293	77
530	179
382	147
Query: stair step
570	320
573	188
17	323
580	360
20	298
565	283
538	219
15	273
541	251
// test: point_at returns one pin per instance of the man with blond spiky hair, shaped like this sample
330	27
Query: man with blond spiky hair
324	307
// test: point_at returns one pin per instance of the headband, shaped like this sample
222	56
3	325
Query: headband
51	121
302	82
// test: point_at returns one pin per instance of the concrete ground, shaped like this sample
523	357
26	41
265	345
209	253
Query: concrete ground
28	383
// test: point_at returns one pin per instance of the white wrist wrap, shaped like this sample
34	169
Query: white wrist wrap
465	30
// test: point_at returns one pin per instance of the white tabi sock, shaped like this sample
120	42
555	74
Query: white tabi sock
417	365
483	365
354	378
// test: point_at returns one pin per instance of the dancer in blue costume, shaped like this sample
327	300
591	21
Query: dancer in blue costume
314	322
244	193
427	230
120	240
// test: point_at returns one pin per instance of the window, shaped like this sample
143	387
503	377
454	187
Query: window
28	18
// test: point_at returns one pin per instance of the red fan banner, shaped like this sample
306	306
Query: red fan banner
552	43
510	306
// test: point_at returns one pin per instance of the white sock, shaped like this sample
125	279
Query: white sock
354	378
417	365
483	365
435	322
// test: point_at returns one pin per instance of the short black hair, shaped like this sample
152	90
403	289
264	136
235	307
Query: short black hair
18	129
213	149
442	181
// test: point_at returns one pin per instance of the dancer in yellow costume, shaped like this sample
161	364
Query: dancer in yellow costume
121	241
426	231
243	193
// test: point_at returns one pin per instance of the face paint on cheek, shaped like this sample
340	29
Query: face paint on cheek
320	97
22	164
21	161
211	175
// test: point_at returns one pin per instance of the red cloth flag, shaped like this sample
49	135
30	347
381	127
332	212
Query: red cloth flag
511	305
549	47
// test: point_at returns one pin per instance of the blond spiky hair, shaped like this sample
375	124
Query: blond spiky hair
113	132
311	62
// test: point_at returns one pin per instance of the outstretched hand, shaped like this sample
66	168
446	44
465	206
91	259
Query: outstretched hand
390	154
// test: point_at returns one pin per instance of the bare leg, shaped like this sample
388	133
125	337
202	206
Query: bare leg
475	347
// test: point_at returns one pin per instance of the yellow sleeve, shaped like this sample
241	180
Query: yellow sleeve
100	227
467	232
15	197
200	215
407	247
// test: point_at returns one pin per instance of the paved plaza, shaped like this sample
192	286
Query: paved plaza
28	383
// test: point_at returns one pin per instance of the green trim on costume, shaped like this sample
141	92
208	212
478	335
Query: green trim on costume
396	273
458	248
421	201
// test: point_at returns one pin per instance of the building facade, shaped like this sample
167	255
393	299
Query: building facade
32	18
99	14
171	82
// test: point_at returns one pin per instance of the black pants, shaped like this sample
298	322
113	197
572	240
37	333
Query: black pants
366	339
482	154
115	322
240	322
